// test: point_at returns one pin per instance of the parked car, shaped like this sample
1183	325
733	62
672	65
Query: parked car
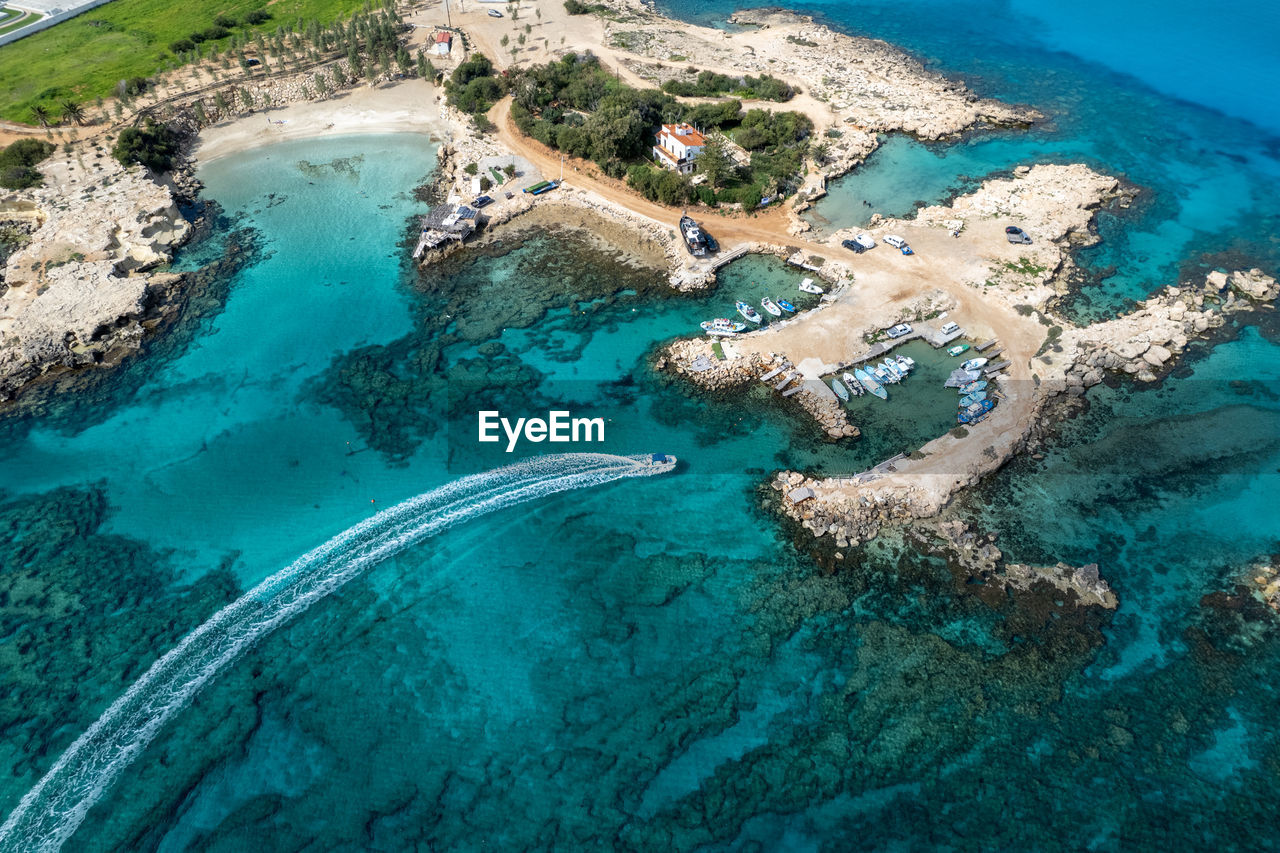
494	13
899	330
1014	234
895	241
853	246
480	201
950	328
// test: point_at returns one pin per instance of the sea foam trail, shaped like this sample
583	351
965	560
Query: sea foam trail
51	811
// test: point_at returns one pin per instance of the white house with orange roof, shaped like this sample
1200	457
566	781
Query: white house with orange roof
678	146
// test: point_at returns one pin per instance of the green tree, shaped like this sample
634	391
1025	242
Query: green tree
72	112
714	162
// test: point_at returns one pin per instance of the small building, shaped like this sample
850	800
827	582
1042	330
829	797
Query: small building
678	146
444	43
446	223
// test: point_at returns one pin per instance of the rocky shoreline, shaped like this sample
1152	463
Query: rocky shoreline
84	288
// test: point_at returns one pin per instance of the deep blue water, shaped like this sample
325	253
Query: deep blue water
655	664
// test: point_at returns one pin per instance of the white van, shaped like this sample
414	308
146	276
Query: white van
950	328
895	241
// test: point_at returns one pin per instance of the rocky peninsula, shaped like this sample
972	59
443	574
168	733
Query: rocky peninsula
81	290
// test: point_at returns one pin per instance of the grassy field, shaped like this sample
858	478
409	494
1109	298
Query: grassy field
85	57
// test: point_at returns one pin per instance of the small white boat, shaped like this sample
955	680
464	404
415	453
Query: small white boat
809	287
906	363
749	313
771	306
841	391
891	367
723	326
973	364
851	382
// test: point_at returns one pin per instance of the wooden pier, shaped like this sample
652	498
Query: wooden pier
988	345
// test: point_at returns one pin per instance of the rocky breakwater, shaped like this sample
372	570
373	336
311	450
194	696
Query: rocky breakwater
849	518
79	292
1144	343
974	556
697	361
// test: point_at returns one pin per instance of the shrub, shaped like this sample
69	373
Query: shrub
471	168
18	162
485	185
257	16
214	33
153	145
182	46
575	7
225	21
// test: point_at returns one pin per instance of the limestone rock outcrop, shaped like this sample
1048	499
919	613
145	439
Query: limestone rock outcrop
77	293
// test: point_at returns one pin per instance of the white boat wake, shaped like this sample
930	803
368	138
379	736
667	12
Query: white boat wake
50	812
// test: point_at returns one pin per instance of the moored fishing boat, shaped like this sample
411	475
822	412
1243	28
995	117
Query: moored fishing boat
969	399
771	306
972	387
891	368
958	349
722	326
841	391
976	412
748	312
809	287
973	364
786	306
906	363
851	382
870	384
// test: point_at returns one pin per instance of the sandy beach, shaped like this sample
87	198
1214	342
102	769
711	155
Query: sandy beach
409	105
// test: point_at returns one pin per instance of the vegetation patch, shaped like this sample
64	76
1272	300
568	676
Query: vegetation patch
18	163
153	145
577	107
710	84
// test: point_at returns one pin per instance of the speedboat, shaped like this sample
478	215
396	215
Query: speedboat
973	387
973	364
969	399
786	306
891	367
870	384
748	312
906	363
660	462
851	382
841	391
722	326
771	306
809	287
976	412
958	349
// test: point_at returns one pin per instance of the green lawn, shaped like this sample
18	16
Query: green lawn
12	19
85	57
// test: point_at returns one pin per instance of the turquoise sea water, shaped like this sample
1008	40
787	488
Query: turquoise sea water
654	664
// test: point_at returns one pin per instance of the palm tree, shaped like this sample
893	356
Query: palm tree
72	112
41	115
